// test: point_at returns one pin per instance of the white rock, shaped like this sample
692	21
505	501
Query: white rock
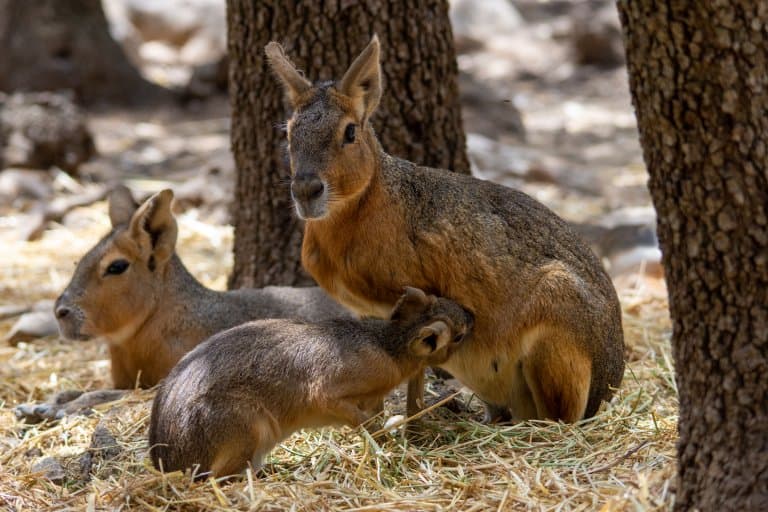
158	52
477	19
392	421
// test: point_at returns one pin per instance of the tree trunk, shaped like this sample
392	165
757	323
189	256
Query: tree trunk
419	117
699	85
52	44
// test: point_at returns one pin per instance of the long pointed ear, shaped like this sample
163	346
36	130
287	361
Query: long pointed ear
430	339
362	81
293	82
122	205
411	304
153	228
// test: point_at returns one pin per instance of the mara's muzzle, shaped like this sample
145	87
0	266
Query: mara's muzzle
310	196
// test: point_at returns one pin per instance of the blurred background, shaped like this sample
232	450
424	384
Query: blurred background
544	99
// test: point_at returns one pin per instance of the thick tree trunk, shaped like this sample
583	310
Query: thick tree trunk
50	45
699	84
419	117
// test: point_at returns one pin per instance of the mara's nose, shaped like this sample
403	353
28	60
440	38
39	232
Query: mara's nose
62	311
307	188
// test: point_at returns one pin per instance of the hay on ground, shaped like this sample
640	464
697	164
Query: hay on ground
623	459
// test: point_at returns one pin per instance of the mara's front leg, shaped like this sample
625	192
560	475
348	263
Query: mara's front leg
415	398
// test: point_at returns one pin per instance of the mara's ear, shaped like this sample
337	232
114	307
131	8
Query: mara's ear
293	81
122	205
430	339
153	228
411	304
362	81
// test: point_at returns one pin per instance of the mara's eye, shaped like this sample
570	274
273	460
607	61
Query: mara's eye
349	133
458	338
117	267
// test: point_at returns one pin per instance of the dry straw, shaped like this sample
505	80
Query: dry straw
623	459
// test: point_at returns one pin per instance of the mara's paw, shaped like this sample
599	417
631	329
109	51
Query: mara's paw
35	412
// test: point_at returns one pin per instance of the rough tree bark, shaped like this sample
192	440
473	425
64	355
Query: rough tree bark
699	84
419	117
50	44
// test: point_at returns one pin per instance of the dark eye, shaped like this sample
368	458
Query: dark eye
117	267
349	134
458	338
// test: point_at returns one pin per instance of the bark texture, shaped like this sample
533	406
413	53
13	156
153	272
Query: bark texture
699	84
419	117
50	45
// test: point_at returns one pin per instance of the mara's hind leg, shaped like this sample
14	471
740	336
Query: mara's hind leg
232	457
558	374
251	444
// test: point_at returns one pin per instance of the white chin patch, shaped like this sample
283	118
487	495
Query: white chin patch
315	210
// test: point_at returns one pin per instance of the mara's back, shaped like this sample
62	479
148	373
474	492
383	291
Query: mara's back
512	261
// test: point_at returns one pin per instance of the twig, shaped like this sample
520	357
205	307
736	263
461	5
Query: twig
416	416
629	453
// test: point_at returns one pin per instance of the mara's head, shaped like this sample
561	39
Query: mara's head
331	145
116	285
435	326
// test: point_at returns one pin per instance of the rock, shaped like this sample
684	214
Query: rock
538	11
103	447
645	215
609	240
494	161
200	49
31	326
122	30
644	258
486	112
158	52
625	240
33	452
50	468
40	130
209	79
179	23
211	188
104	443
44	212
24	183
472	21
393	421
596	35
509	165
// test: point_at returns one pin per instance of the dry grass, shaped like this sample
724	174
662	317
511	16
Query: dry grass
621	460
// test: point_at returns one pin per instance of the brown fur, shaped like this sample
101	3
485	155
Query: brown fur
548	341
155	311
235	396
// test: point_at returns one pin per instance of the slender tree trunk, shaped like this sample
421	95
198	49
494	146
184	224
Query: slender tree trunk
52	44
419	117
700	88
